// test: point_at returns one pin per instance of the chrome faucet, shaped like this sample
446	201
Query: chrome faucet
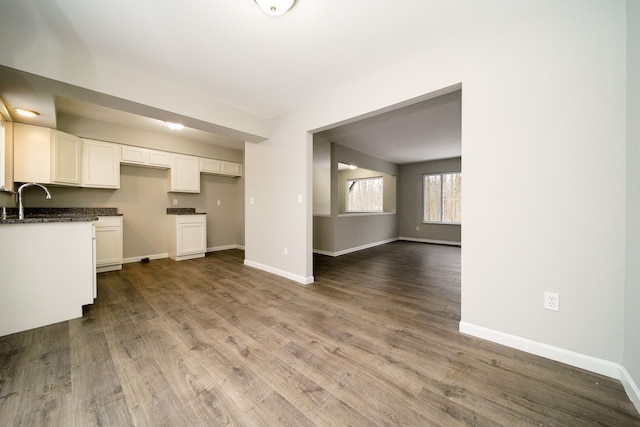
19	196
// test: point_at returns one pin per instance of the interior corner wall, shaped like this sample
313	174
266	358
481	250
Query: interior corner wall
279	202
411	199
632	290
352	231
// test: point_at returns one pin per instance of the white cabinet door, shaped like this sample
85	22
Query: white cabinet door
185	174
159	159
66	159
187	236
108	243
100	164
210	166
31	153
231	168
46	156
134	155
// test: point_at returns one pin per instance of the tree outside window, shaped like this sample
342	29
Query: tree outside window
364	195
442	198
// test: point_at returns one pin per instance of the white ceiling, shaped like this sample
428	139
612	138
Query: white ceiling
229	52
424	131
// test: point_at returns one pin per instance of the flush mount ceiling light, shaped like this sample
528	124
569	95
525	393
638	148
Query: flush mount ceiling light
174	126
26	113
275	7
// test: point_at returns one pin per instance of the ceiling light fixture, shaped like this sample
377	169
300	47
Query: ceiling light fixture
26	113
275	7
174	126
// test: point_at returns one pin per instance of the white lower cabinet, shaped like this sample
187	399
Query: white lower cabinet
47	274
108	243
187	236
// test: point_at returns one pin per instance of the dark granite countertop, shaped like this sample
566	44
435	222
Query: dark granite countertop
184	211
49	215
47	219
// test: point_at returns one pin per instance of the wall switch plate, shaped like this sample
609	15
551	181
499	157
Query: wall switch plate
417	228
251	200
300	198
175	202
552	301
218	202
285	251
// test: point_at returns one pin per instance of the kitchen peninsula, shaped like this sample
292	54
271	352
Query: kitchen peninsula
47	273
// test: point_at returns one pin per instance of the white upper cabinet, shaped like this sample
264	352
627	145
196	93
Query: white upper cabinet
100	164
231	168
210	166
134	155
159	159
220	167
46	156
185	174
66	159
145	157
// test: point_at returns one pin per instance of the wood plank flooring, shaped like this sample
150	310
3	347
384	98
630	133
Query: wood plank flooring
207	342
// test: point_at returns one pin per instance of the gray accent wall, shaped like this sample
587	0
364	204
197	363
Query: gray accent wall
410	198
337	233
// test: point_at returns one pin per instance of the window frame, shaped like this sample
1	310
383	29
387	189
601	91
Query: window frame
346	195
442	195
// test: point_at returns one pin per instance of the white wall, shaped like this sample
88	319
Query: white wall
632	295
551	140
543	125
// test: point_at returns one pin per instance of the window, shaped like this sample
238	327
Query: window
364	194
442	201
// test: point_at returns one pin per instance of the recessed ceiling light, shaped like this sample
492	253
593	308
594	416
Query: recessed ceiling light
26	113
275	7
174	126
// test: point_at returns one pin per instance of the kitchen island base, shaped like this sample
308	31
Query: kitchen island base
47	273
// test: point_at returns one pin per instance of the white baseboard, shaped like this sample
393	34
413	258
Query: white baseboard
321	252
630	387
437	242
108	268
166	255
579	360
355	249
139	258
224	248
300	279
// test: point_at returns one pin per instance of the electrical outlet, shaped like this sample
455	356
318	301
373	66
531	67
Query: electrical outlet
417	228
175	202
552	301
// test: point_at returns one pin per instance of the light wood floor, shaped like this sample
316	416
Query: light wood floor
207	342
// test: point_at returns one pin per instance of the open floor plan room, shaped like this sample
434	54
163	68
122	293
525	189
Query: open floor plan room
211	341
